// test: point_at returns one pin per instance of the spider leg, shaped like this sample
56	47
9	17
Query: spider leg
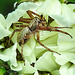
25	20
28	20
20	25
52	29
59	27
63	32
30	14
14	33
22	46
44	45
22	49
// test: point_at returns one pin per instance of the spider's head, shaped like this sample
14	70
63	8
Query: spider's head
42	21
42	18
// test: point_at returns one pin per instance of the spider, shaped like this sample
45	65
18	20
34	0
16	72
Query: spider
35	24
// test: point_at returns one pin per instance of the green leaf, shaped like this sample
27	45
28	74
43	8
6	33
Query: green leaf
62	1
2	71
56	72
71	1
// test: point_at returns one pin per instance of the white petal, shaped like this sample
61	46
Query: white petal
62	13
72	6
67	17
31	59
9	55
1	46
29	47
36	73
65	57
19	66
50	7
46	63
28	69
67	69
3	32
3	21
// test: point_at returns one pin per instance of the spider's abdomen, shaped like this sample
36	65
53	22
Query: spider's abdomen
24	32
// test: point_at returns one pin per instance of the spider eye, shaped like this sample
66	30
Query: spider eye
41	16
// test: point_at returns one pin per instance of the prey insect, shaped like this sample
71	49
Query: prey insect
35	24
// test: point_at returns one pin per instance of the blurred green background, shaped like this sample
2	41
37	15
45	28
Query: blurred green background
6	6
